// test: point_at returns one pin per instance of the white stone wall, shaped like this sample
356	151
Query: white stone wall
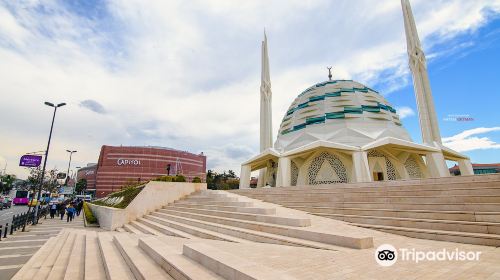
154	196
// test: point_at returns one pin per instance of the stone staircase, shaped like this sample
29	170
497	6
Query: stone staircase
458	209
221	235
186	240
220	216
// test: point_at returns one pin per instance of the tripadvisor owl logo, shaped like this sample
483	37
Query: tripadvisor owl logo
386	255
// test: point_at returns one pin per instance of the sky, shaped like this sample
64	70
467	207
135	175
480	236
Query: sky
186	74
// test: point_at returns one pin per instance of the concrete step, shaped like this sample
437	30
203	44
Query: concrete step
142	266
58	270
170	258
120	229
193	230
131	229
76	264
294	232
485	188
114	265
145	229
388	199
230	266
50	260
479	207
94	265
287	221
163	229
251	210
450	236
264	233
33	265
222	203
445	225
470	216
202	199
210	194
449	182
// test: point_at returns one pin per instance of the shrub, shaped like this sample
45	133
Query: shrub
89	216
165	179
120	199
196	180
180	178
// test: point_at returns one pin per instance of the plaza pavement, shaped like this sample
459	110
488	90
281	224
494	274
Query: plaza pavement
17	249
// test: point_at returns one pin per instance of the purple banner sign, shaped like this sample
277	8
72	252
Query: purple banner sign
30	161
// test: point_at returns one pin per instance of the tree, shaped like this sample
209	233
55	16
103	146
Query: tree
49	183
81	185
225	181
231	174
6	183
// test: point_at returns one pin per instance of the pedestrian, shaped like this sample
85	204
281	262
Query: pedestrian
70	211
62	210
79	207
53	209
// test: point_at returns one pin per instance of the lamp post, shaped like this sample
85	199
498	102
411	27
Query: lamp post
69	165
76	178
46	155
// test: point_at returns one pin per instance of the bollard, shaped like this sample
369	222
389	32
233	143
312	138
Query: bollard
5	232
1	232
13	226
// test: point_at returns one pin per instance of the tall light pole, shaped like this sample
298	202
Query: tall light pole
69	165
76	178
46	155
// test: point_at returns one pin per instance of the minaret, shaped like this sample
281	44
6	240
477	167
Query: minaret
421	85
266	134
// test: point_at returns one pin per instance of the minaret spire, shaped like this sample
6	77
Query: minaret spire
265	100
266	135
421	85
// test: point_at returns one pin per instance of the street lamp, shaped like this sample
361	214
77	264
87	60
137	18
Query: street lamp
75	177
46	155
69	165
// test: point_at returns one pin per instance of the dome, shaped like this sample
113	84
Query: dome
340	111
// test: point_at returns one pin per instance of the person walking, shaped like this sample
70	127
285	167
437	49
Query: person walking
53	209
79	207
70	211
62	210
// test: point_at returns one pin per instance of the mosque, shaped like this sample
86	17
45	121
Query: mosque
341	131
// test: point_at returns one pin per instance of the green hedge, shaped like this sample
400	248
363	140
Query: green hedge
196	180
176	178
128	195
89	216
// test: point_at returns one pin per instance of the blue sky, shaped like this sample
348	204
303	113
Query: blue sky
463	84
186	74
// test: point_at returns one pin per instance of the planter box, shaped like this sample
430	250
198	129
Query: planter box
154	196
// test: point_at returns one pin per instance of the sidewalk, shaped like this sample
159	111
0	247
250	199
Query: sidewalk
17	249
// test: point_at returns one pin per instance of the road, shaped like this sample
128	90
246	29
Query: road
7	213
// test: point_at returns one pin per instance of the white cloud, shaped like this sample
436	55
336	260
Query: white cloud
466	141
405	112
186	74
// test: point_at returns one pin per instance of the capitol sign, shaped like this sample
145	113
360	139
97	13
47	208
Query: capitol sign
121	161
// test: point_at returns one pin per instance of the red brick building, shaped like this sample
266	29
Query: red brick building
88	173
120	165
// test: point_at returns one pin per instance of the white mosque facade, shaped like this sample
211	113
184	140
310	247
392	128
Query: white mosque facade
341	131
